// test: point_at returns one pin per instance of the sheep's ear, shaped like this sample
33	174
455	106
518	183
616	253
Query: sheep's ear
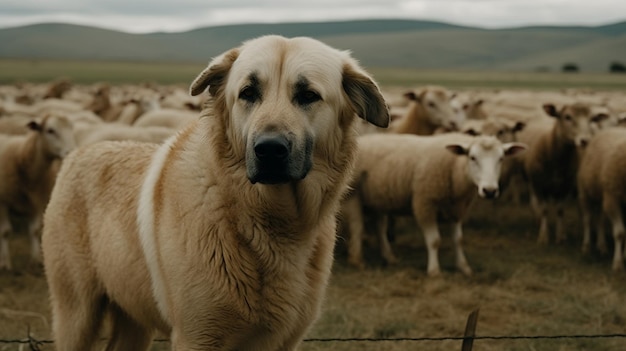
511	149
191	106
410	95
472	132
364	95
599	117
518	127
33	125
551	110
458	149
213	76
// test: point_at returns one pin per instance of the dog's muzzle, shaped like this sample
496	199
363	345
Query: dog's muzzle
273	159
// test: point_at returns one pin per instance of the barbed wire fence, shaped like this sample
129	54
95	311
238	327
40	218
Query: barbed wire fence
468	338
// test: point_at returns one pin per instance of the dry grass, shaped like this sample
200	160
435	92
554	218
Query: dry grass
520	287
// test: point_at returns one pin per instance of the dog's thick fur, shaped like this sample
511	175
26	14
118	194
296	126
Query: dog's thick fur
202	238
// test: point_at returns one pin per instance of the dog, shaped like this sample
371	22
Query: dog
222	237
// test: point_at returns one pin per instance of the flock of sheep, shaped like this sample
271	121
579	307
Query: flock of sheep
557	144
441	151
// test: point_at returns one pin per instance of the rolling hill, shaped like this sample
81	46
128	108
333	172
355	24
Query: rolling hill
380	43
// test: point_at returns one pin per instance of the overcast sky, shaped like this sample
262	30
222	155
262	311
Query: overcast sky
140	16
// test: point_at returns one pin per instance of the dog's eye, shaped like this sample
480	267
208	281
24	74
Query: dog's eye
250	94
307	97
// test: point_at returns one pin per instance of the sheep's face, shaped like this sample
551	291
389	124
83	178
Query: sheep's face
575	122
503	130
439	105
474	110
57	135
484	160
459	113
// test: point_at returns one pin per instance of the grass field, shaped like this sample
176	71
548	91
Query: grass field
521	288
12	71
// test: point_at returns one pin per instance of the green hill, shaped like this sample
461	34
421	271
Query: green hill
379	43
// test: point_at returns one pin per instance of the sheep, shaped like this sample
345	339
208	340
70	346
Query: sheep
58	88
103	106
474	109
179	99
551	163
134	108
432	177
29	166
166	117
428	111
15	125
602	190
86	134
506	131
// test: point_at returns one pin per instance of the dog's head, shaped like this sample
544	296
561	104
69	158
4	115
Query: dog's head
283	98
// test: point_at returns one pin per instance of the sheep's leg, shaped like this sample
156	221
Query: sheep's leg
426	217
513	187
127	335
385	247
433	241
586	223
561	234
5	231
353	214
613	210
600	234
34	232
541	209
461	261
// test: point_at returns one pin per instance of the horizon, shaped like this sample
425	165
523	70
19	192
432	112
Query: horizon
109	28
152	16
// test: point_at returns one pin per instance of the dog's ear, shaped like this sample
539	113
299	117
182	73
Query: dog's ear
213	76
364	95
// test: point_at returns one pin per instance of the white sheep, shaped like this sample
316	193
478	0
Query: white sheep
602	190
16	124
551	163
432	177
429	111
167	117
503	129
135	108
29	165
86	134
474	109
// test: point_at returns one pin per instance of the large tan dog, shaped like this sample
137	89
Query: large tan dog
223	236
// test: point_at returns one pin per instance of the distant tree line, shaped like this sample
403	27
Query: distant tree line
617	67
614	67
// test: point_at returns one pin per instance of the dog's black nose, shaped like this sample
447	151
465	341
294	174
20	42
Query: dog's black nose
271	148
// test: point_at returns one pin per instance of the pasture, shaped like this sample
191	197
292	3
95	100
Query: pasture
522	288
35	70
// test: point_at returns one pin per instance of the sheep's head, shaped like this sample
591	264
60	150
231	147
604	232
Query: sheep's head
485	155
438	105
474	109
57	135
575	122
